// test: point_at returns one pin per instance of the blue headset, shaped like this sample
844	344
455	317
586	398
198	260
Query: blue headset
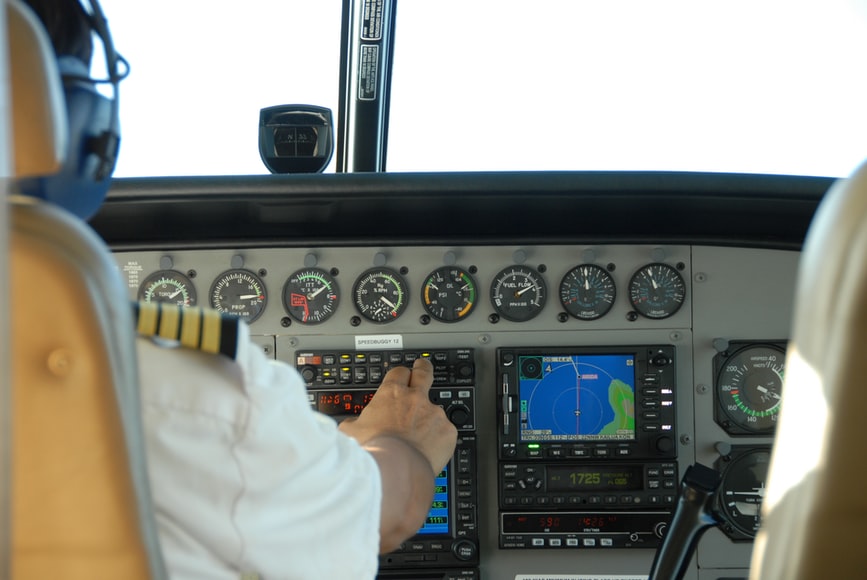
94	131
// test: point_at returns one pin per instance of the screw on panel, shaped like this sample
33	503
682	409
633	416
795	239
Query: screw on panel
542	268
424	319
263	272
404	270
285	322
685	439
494	318
484	338
562	317
631	316
192	273
355	321
293	341
700	277
702	389
674	336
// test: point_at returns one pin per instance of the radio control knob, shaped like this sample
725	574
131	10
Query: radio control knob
458	414
308	374
664	444
465	371
464	550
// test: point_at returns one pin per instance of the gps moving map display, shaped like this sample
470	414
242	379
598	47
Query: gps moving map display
437	521
580	397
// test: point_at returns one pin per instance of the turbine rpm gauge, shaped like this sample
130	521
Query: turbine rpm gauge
240	293
311	296
380	295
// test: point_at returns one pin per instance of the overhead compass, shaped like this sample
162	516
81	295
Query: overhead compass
380	295
449	294
657	290
749	388
240	293
518	293
169	286
587	292
311	296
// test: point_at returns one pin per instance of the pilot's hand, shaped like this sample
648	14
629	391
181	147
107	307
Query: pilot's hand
401	407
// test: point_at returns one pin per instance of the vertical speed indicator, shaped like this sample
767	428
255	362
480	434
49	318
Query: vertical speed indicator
518	293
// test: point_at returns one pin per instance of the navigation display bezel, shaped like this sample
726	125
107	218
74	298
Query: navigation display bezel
654	430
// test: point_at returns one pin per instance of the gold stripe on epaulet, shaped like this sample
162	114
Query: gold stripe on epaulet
193	327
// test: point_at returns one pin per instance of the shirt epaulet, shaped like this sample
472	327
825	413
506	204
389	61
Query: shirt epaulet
192	327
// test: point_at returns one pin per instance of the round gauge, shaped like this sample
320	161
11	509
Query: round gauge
240	293
310	296
449	294
749	387
657	290
741	492
587	292
380	295
518	293
168	286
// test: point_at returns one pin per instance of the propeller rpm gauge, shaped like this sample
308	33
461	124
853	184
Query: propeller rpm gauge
311	296
240	293
380	295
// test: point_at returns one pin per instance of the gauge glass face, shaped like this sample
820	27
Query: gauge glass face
657	291
311	296
518	293
168	286
380	295
449	294
239	293
749	388
742	490
587	292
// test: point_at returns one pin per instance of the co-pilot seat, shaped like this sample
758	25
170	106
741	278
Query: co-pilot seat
81	506
815	509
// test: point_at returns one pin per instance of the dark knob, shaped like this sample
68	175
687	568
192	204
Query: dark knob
308	374
464	550
458	414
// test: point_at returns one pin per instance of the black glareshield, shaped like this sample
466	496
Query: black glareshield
296	138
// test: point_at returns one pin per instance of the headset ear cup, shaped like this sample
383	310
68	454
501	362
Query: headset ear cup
83	181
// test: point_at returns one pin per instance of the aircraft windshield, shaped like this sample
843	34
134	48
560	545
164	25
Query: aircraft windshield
755	86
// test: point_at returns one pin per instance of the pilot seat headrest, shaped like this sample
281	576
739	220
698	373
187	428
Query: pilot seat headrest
66	133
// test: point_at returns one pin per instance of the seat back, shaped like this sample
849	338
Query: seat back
81	506
815	509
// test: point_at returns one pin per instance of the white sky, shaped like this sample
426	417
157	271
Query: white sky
741	85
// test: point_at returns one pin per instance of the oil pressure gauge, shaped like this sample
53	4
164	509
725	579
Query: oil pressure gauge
380	295
749	387
657	290
169	286
240	293
518	293
449	294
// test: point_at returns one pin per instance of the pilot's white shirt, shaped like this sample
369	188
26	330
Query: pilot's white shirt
246	478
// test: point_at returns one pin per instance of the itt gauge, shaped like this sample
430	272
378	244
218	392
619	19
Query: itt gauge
310	296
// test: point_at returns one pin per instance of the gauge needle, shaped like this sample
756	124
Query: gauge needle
765	391
387	301
759	491
522	290
176	292
248	296
315	293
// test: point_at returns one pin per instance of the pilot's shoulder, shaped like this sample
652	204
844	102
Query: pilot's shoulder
197	328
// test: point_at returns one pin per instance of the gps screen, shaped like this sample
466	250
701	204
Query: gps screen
580	397
437	521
